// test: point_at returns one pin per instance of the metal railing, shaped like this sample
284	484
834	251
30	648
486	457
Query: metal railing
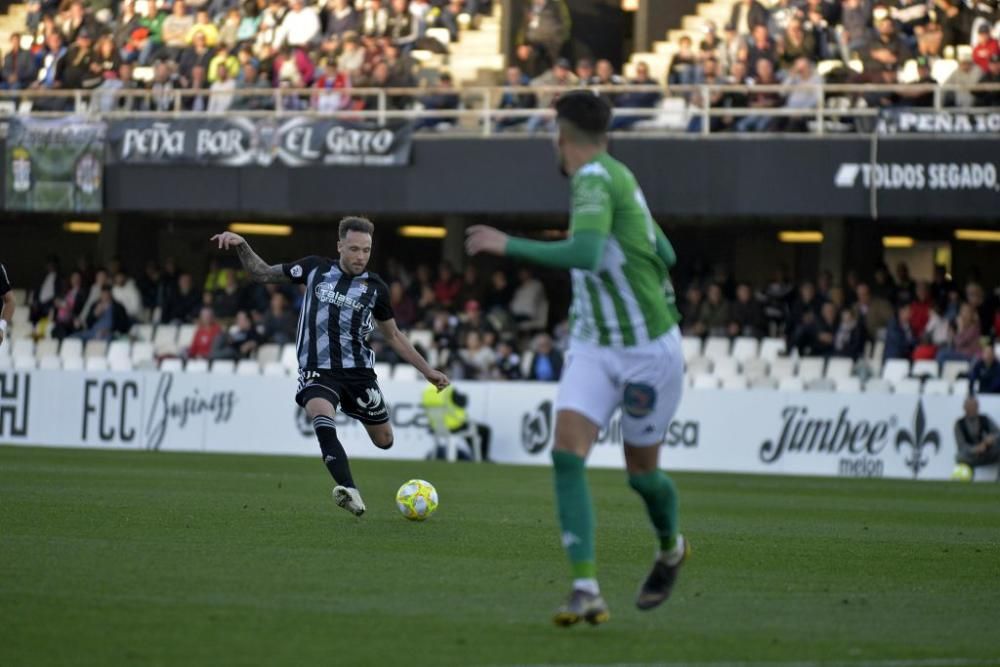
481	111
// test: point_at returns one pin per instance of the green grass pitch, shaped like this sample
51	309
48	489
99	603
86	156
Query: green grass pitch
129	558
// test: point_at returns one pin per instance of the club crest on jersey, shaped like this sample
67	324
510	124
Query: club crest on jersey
296	271
327	293
364	287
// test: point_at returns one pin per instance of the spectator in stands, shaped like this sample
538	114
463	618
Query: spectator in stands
965	75
874	312
887	47
922	97
761	100
226	299
853	35
746	317
204	335
546	362
203	25
511	100
473	320
938	332
955	20
352	56
375	19
711	46
239	342
51	65
546	27
529	305
230	29
849	340
585	71
920	308
985	48
982	308
75	20
559	75
965	345
300	26
18	66
223	91
715	312
328	100
976	437
181	304
984	377
797	44
473	287
447	285
825	332
41	298
692	312
746	15
68	307
448	19
106	318
153	22
805	309
476	358
499	294
444	98
77	71
279	324
127	294
683	65
175	28
508	362
899	339
403	28
403	307
802	74
197	55
992	76
637	99
762	47
340	17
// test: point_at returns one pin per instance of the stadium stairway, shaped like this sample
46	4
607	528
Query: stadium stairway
11	22
477	58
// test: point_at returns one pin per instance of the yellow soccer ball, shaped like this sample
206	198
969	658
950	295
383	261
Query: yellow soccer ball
417	499
962	473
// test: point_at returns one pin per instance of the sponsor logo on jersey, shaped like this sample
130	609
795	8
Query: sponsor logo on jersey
327	293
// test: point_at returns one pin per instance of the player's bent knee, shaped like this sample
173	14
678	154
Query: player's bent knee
385	444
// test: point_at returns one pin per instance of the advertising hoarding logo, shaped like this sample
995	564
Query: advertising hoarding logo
15	394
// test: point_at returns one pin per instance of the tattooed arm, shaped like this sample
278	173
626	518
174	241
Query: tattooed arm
258	270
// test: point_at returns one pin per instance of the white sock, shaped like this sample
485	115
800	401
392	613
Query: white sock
587	586
675	555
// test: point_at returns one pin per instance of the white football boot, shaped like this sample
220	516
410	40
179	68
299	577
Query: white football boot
349	499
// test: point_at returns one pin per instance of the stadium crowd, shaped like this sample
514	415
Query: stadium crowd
225	50
481	326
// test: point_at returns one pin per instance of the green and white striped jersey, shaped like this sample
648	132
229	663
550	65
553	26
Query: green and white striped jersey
628	300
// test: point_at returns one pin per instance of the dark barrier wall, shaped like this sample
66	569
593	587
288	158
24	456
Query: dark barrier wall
891	178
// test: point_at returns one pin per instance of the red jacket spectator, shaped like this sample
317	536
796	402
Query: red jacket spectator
986	47
206	333
920	309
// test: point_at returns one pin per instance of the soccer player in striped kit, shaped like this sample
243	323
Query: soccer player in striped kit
625	349
343	304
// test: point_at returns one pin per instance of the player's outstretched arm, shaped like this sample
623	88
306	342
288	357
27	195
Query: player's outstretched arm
583	250
258	270
395	339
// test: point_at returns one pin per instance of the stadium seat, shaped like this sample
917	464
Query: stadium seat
274	369
6	362
925	368
142	354
289	358
22	347
221	367
245	367
909	386
782	367
440	34
699	366
96	364
49	364
735	383
165	339
877	353
172	365
405	373
383	370
726	367
72	363
27	363
772	348
185	335
811	368
839	368
848	385
937	387
142	332
745	348
119	349
120	365
47	348
716	347
690	347
895	370
821	384
755	368
421	337
95	348
791	384
951	370
71	348
878	386
268	353
766	384
705	382
196	366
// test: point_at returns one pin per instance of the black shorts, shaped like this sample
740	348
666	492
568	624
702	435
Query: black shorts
355	392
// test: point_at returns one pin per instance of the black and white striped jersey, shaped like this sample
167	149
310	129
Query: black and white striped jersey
338	313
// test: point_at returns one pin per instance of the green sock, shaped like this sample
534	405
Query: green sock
660	496
576	513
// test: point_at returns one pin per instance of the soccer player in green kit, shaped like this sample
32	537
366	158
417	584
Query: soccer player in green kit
625	349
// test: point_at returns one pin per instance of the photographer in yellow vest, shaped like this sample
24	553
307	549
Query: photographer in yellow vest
446	417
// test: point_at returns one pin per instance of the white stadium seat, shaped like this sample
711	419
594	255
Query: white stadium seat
274	369
71	348
821	384
937	387
925	368
878	386
185	335
95	348
221	367
839	368
50	364
142	332
172	365
72	363
405	373
745	348
47	348
877	353
716	347
289	359
28	363
735	382
772	348
811	368
699	365
22	347
196	366
765	384
383	370
896	369
848	385
782	367
705	382
952	369
726	367
421	337
909	386
267	353
96	364
165	339
755	368
120	365
119	349
791	384
690	347
6	362
142	354
248	367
